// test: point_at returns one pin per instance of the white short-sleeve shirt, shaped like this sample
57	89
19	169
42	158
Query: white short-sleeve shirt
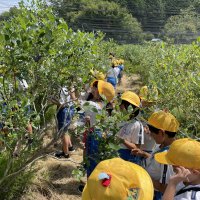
117	70
132	132
65	96
157	171
188	195
149	143
112	73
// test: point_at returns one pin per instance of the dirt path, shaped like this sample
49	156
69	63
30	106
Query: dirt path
53	179
132	83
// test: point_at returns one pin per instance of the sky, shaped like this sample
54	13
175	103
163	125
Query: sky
6	4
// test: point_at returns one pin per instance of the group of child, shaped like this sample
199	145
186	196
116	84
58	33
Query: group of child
173	164
149	150
153	164
115	72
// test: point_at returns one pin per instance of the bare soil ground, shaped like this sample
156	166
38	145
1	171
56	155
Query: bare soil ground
132	83
53	177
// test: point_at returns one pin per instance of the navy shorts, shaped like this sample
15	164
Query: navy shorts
125	154
64	117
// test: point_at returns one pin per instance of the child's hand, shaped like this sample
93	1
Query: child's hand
136	152
139	152
181	175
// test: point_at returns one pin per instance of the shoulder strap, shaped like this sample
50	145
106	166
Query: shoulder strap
164	175
140	134
183	190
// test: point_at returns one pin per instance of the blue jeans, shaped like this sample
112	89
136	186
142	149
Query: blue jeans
112	80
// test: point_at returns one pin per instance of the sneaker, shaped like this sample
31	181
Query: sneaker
71	149
80	188
61	154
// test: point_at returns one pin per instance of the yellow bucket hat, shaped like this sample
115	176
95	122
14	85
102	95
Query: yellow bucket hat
111	56
143	92
183	152
131	97
117	179
121	61
115	62
147	94
106	89
164	120
97	74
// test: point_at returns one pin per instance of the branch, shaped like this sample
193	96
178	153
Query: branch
20	170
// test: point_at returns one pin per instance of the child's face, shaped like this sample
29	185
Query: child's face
95	93
124	106
158	137
146	130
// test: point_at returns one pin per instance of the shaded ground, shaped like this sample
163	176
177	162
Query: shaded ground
53	178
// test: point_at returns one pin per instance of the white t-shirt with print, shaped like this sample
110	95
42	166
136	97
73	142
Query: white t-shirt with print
132	132
188	195
157	171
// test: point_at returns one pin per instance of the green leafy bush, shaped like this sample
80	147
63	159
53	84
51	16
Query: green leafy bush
175	71
37	46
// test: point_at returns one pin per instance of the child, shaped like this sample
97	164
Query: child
121	69
112	74
184	155
163	127
65	112
132	132
98	89
111	56
117	179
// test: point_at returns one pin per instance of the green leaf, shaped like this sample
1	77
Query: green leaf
114	146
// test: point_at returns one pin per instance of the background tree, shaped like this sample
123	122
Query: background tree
153	15
184	27
119	19
8	14
109	17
